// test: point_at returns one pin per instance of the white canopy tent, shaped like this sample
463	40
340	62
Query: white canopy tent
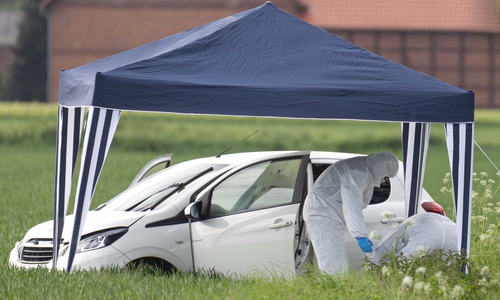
263	63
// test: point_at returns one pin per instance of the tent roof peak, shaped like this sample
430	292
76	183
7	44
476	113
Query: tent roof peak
264	62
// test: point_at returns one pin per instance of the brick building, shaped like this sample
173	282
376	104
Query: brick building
457	41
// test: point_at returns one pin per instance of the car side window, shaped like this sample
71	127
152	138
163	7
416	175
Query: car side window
381	193
318	169
263	185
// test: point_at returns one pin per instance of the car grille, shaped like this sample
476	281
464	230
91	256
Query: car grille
36	251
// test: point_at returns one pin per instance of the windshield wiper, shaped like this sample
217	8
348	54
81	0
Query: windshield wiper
177	187
181	186
100	206
147	198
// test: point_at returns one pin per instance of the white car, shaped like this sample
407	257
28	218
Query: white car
235	214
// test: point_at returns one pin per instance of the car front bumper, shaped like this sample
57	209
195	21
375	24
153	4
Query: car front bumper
94	259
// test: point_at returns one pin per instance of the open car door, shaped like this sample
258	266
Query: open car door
246	222
152	167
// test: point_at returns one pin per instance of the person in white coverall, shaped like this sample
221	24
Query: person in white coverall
417	235
337	200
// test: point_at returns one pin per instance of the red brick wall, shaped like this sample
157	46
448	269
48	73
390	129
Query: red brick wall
84	33
468	60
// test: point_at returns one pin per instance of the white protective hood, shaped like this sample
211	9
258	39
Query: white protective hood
382	164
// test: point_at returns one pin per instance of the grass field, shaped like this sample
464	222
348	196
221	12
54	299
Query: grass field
27	153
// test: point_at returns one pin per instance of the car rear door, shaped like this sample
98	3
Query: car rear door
152	167
249	224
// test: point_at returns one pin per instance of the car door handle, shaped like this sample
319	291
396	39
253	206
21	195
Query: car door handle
280	225
392	220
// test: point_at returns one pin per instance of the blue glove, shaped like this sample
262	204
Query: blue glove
365	244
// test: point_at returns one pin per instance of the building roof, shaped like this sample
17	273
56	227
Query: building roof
296	5
439	15
9	29
418	15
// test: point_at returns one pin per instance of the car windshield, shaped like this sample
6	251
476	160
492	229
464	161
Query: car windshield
161	188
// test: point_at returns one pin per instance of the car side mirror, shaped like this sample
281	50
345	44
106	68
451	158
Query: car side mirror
193	210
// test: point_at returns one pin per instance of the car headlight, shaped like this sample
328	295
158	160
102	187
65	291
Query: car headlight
100	240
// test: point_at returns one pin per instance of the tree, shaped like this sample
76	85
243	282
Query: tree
28	73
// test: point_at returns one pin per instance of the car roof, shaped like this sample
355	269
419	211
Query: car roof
237	158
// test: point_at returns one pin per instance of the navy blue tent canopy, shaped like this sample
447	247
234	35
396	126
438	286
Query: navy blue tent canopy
264	62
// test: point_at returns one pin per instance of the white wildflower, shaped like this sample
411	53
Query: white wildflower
457	292
409	222
386	271
483	237
493	227
420	270
387	214
483	281
479	218
438	274
374	235
443	284
419	285
484	271
421	250
407	281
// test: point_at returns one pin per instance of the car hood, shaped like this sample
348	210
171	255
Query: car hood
96	221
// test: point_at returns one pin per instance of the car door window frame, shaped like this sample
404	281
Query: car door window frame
143	173
298	190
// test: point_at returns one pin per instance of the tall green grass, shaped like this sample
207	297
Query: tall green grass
27	155
141	136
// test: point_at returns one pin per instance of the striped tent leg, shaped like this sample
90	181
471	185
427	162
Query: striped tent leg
415	145
69	128
101	127
460	139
